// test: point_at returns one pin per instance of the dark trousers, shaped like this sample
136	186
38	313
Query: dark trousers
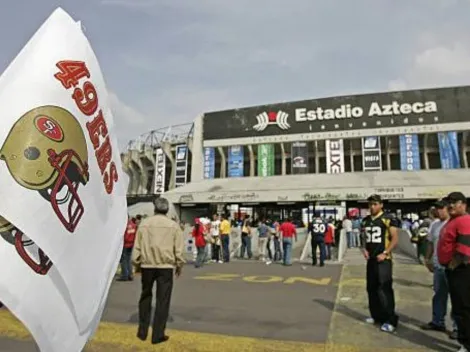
215	252
459	288
164	280
126	266
277	249
225	247
246	246
315	243
380	292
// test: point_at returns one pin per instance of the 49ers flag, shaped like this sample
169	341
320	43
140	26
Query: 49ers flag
62	187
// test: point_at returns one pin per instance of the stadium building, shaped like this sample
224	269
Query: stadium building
411	147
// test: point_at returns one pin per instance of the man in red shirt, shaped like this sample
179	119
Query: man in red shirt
453	252
288	233
126	257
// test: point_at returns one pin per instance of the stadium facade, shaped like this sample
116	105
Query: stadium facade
406	146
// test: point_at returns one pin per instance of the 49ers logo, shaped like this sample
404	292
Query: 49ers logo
49	128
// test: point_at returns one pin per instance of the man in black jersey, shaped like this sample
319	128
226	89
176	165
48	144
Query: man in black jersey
380	236
317	232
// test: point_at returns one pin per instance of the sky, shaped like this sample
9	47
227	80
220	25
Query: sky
167	61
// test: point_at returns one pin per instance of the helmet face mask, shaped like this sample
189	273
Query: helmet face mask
46	151
30	253
64	190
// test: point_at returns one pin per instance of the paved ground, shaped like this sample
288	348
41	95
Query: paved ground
246	306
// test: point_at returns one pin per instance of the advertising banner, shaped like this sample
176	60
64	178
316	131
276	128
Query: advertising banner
343	117
409	152
235	161
334	156
209	163
265	160
160	169
181	165
299	157
371	154
449	150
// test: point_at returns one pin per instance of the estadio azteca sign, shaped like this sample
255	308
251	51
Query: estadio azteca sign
354	112
342	115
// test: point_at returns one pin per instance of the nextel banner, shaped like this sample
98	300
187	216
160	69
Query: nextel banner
335	117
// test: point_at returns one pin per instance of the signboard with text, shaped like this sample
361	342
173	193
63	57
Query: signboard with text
427	110
265	160
181	165
299	156
409	152
371	154
334	156
209	163
160	169
235	161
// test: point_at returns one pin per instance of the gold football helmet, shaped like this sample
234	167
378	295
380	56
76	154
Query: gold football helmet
31	254
46	151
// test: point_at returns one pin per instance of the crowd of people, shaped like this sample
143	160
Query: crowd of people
156	247
447	257
275	239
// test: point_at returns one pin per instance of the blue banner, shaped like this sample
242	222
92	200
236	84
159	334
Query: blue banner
209	163
235	161
449	150
409	152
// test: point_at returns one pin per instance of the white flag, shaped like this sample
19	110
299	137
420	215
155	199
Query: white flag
60	169
36	290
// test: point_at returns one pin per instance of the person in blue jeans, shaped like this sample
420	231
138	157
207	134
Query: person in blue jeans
289	232
246	239
440	285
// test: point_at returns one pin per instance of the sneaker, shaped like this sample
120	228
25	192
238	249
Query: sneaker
462	349
453	335
432	326
387	328
221	262
370	321
268	262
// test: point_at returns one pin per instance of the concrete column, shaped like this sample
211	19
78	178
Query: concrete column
134	182
317	158
197	152
387	154
351	155
425	151
223	163
283	160
166	147
463	149
125	161
143	176
252	160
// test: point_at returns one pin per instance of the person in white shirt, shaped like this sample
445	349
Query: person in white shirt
215	235
347	226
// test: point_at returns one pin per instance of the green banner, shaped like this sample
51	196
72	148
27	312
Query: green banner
265	160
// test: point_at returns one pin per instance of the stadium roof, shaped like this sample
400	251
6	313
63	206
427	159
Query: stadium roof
173	134
429	184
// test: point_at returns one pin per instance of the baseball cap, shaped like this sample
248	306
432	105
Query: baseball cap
440	204
454	197
375	198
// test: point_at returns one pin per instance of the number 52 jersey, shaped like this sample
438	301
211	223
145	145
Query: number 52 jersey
376	233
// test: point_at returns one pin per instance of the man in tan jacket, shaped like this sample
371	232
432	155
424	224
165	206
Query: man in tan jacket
158	250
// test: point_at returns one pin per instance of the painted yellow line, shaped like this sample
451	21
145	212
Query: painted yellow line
121	338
